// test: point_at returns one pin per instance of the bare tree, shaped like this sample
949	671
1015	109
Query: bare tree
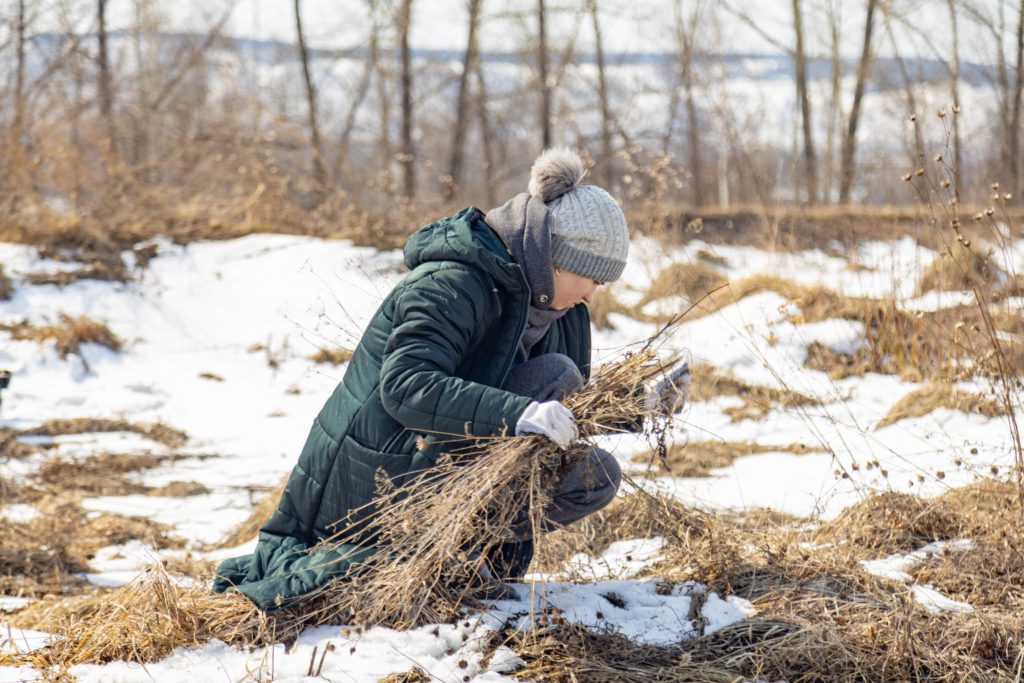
485	135
605	166
319	171
454	178
686	31
542	65
103	62
19	77
810	171
954	91
850	137
408	151
1016	165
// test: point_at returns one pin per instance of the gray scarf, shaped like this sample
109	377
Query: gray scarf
522	224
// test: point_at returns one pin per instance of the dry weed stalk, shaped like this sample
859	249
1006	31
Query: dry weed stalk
248	528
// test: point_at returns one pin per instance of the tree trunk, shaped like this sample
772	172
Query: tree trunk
605	165
800	65
954	91
454	180
685	34
106	92
835	104
850	138
485	135
19	78
545	91
319	170
408	152
1016	163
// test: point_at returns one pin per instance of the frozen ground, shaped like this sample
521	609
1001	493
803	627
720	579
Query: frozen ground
252	310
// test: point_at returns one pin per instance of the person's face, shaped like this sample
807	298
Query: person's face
571	289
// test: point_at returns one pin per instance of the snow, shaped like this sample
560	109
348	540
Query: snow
252	310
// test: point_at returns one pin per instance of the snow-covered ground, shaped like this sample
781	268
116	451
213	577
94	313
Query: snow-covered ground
251	311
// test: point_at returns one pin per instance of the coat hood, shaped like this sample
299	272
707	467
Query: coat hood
466	238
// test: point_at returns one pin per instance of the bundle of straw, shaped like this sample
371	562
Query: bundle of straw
434	537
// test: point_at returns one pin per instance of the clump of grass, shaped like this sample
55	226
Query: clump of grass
11	447
889	522
707	383
6	286
689	280
698	458
840	365
413	675
261	512
332	356
931	397
959	270
68	335
111	271
603	305
156	431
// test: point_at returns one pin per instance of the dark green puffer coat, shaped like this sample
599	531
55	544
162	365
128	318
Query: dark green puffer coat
428	364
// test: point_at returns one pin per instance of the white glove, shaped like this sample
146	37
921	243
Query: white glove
669	396
551	419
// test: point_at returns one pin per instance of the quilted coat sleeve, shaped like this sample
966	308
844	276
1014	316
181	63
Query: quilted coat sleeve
435	321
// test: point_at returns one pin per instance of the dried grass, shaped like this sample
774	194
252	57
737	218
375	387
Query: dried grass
11	447
698	458
68	335
891	522
707	383
603	305
926	399
155	431
335	356
111	271
688	280
959	270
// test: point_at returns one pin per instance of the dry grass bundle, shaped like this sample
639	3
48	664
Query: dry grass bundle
698	458
154	431
688	280
335	356
413	675
432	538
250	526
707	383
961	269
68	335
6	286
889	522
926	399
147	618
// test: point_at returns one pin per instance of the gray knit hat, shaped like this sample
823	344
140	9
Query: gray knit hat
589	235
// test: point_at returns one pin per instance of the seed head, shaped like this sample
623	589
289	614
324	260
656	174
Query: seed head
945	183
919	172
907	176
942	113
938	157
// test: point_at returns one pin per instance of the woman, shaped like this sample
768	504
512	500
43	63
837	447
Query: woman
483	337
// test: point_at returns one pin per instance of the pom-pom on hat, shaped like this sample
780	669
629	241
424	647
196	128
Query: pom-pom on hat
589	235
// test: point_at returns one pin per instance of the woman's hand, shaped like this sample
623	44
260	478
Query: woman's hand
551	419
